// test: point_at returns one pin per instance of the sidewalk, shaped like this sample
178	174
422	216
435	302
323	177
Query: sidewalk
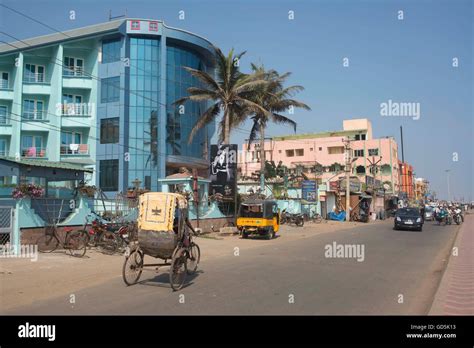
455	295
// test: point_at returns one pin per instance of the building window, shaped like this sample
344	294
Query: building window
153	26
34	73
358	153
111	51
299	152
3	147
310	149
290	153
135	25
109	130
4	80
109	175
373	152
320	149
360	170
335	150
73	66
110	90
33	109
4	117
279	151
32	146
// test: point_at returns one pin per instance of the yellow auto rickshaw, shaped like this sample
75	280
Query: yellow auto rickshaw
258	216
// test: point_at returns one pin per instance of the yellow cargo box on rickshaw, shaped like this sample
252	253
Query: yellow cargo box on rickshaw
258	216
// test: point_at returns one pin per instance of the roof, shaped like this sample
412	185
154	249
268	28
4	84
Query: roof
79	33
319	135
48	164
91	30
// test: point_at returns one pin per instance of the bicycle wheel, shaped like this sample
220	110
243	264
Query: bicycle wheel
178	270
194	255
76	242
133	267
47	243
108	243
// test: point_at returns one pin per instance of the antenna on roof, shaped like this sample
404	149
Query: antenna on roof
115	17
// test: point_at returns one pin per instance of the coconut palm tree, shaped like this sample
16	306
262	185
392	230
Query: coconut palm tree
229	93
275	99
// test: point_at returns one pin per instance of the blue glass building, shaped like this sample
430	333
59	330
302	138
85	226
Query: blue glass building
103	96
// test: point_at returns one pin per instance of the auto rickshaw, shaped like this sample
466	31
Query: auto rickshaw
164	232
258	216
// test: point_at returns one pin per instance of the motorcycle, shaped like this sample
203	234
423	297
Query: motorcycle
457	216
443	216
289	218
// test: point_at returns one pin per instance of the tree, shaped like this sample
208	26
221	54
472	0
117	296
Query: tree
228	92
275	99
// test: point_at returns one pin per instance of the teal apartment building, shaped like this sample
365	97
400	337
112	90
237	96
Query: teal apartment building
103	97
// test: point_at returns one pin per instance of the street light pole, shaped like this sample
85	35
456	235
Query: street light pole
347	146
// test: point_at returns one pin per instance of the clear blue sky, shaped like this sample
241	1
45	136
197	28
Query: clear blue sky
405	61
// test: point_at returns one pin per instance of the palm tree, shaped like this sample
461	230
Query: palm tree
275	99
229	93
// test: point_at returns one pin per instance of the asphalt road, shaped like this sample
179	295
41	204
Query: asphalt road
400	273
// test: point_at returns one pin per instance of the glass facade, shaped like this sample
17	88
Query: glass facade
181	120
111	51
143	111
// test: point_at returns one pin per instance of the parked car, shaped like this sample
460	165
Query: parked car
429	213
408	218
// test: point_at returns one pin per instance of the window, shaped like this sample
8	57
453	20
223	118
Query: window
3	114
310	149
73	66
299	152
32	146
4	80
34	73
70	143
153	26
109	130
362	137
373	152
3	147
109	175
110	90
335	150
72	105
320	149
111	51
290	153
33	109
360	170
358	153
135	25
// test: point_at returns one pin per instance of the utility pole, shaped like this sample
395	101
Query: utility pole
373	166
447	178
347	147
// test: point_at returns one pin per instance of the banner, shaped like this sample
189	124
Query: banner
309	190
223	170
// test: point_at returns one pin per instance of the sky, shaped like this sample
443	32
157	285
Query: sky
407	60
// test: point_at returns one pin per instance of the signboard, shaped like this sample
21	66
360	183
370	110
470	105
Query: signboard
223	170
334	185
354	185
309	190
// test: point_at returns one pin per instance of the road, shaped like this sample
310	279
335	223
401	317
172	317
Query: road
399	274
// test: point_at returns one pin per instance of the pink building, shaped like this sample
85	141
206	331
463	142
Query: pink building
321	156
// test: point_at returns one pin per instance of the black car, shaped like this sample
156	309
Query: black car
408	219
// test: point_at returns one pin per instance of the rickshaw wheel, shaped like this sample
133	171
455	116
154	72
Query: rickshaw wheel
270	233
178	269
133	267
193	257
245	235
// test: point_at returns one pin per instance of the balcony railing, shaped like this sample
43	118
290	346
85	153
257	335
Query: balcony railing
75	149
4	153
4	84
34	78
37	115
33	152
76	109
74	71
4	120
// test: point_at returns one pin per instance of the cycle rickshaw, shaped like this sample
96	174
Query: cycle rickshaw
164	232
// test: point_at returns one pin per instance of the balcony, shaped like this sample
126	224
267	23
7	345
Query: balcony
35	78
33	152
75	150
75	71
76	109
5	120
5	84
4	153
75	77
36	115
